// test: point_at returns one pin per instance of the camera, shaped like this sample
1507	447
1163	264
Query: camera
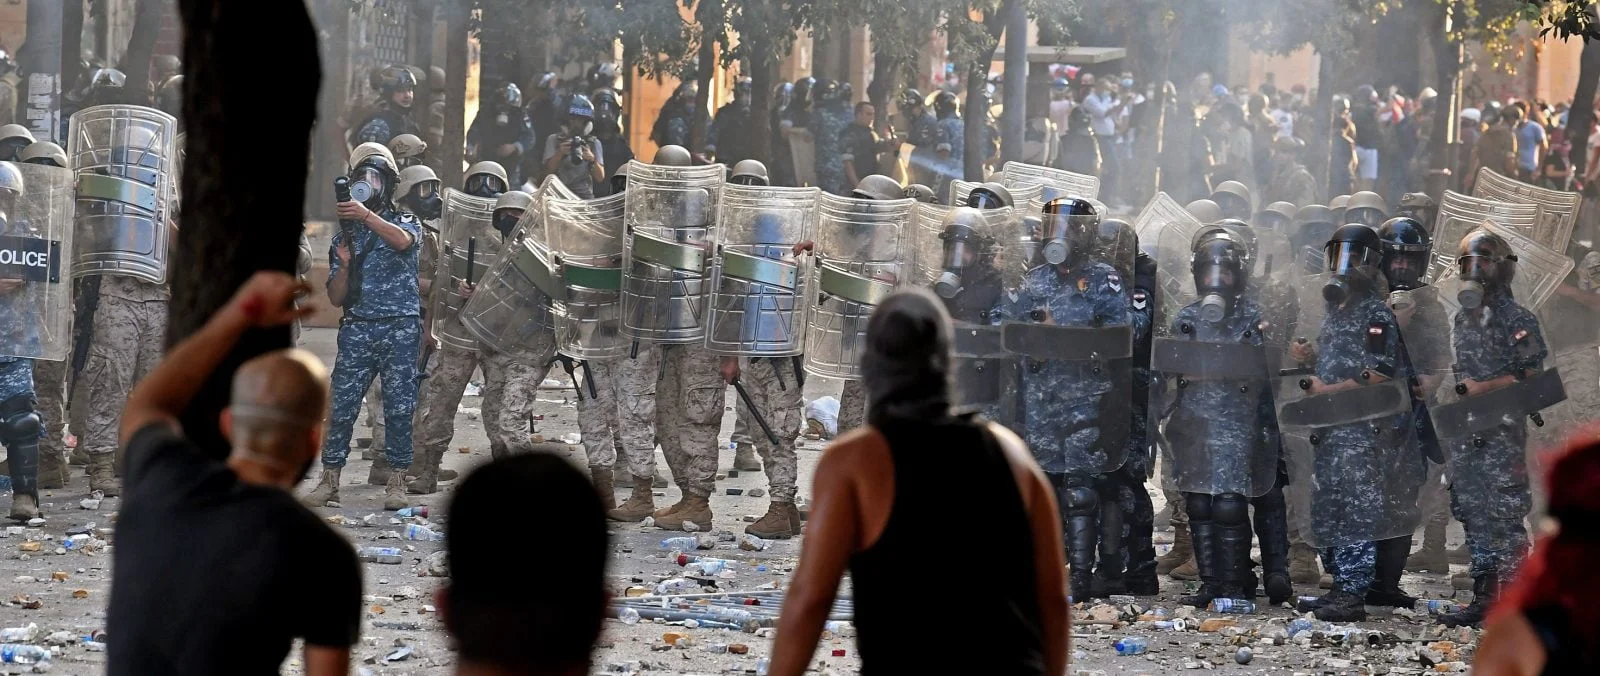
576	155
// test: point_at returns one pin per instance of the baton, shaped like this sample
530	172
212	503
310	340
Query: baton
566	365
754	412
472	253
588	377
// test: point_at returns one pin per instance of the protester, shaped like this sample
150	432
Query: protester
877	491
218	568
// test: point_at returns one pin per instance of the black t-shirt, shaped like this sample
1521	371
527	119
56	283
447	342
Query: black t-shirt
217	576
861	147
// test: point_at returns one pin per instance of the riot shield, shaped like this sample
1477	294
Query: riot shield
863	250
1540	269
36	249
1459	214
468	245
959	190
518	297
1347	422
759	287
1163	219
1052	182
124	157
1558	209
587	236
1211	391
671	220
1071	329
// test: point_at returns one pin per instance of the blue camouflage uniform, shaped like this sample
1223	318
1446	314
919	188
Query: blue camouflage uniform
1351	460
927	139
1138	513
832	121
1226	418
16	373
379	335
953	131
981	383
387	122
1489	483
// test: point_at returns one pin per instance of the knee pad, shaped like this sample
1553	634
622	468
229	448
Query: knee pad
1081	501
1198	505
21	426
1231	509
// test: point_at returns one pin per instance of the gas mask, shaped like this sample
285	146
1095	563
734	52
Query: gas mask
960	249
505	220
485	185
1479	276
424	201
1352	264
1067	237
1219	267
1404	269
1215	285
368	185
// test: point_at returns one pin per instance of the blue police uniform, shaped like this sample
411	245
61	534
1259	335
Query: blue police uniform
833	120
926	138
1138	513
953	131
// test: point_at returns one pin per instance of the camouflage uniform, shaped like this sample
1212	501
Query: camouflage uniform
129	326
509	390
427	269
832	121
387	121
598	420
771	384
688	408
1138	512
1350	458
1291	183
953	132
637	383
852	406
50	388
379	335
927	139
1489	481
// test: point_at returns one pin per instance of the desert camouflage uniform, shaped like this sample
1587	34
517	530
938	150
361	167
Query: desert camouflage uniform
637	383
129	327
598	420
771	384
689	404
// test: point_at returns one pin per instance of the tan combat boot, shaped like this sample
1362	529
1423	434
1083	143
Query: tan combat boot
426	483
52	469
602	485
777	524
103	474
638	506
327	489
1182	551
79	457
24	507
744	458
696	508
1303	568
379	474
394	497
1431	558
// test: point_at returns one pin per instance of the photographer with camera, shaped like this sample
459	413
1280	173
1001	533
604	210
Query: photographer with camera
574	154
373	275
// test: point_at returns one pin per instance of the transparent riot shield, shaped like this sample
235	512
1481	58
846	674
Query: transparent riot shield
1540	269
803	148
1163	219
1459	214
959	190
1558	209
1347	420
468	245
757	302
863	250
517	300
587	236
1070	327
1211	392
1052	182
671	220
36	242
124	157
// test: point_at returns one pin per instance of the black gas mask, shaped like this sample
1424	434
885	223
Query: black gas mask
1485	265
424	200
485	185
505	220
1353	255
962	247
1220	270
1068	228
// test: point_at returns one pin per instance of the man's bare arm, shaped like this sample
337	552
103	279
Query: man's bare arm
327	661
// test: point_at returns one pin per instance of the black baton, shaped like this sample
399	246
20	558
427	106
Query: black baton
588	377
754	412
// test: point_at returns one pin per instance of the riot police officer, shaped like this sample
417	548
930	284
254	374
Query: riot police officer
20	422
394	114
729	141
832	120
574	155
746	172
672	125
1420	206
1366	208
43	152
953	132
13	138
782	156
926	137
502	132
1138	511
608	131
1233	198
408	150
485	179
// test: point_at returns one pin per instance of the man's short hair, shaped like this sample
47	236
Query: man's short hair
863	104
513	600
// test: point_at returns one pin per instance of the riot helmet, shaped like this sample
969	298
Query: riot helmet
170	97
1220	265
989	196
945	105
396	79
1205	211
1242	233
878	187
1407	247
781	95
1353	256
486	179
1418	205
407	149
604	75
418	189
106	86
965	242
1338	205
373	175
921	193
1068	227
605	104
1116	243
1233	198
508	209
1486	265
11	189
1313	225
13	138
509	96
673	156
1367	208
43	152
800	97
827	90
619	180
1276	217
749	172
911	100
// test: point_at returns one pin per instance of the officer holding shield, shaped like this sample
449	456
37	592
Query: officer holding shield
20	423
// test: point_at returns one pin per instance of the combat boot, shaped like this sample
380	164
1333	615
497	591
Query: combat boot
638	505
379	474
394	496
1181	554
602	485
327	489
1272	531
1339	605
426	483
1203	538
52	469
24	469
776	524
1391	563
744	458
1461	554
78	457
696	508
1303	567
796	521
1484	589
103	474
1431	558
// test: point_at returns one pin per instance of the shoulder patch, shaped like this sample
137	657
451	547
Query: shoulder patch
1519	336
1114	281
1140	299
1083	284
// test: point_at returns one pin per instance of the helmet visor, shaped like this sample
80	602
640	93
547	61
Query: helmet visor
485	185
1347	257
367	183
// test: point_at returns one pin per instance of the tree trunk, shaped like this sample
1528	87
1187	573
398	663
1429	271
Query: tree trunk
1014	118
241	207
1580	119
141	49
71	47
1320	152
705	73
41	56
885	81
1443	140
455	100
762	77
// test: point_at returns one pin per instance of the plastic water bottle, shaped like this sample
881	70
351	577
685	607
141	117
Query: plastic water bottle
1437	606
1298	625
1232	606
19	634
420	510
708	566
21	653
1170	625
682	544
628	616
380	554
762	665
420	532
1132	645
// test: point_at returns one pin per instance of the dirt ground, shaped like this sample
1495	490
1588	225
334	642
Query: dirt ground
402	634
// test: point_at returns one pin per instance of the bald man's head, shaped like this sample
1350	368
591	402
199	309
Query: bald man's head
276	411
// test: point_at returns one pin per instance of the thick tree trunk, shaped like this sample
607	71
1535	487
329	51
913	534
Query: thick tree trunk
1443	139
705	72
885	82
1320	151
71	46
41	56
1580	120
1015	116
241	207
762	80
455	100
973	147
141	48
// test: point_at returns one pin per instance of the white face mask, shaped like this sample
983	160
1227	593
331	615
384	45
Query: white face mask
502	119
